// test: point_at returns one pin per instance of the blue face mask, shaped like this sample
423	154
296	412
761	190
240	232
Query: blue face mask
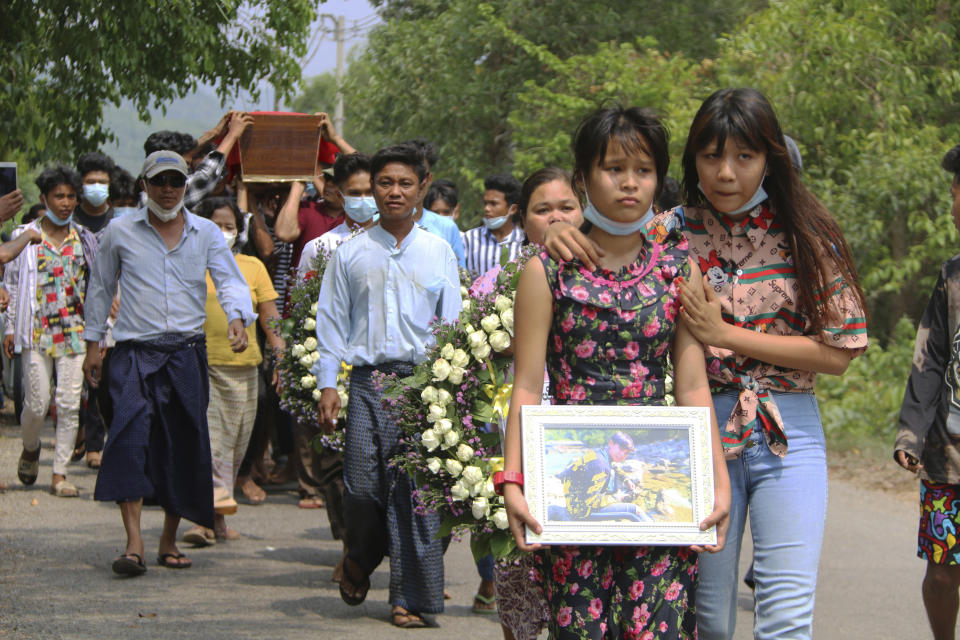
57	220
495	223
119	212
757	198
360	209
310	190
96	194
614	228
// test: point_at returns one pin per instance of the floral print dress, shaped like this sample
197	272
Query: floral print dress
609	344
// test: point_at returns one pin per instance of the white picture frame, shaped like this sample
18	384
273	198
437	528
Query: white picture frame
588	501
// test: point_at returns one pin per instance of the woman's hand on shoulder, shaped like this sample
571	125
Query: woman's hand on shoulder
563	241
519	517
700	310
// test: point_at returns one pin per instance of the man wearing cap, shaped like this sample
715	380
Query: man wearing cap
158	448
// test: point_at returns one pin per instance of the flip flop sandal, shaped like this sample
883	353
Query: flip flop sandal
197	536
64	489
311	503
126	565
27	470
407	620
164	561
484	604
353	594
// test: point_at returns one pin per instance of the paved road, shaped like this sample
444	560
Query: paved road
55	578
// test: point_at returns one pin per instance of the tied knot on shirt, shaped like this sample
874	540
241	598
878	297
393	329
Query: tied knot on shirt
755	409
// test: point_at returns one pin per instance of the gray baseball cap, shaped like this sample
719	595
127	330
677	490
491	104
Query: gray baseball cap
160	161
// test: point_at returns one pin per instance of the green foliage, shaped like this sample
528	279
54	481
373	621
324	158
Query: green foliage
456	73
862	405
63	60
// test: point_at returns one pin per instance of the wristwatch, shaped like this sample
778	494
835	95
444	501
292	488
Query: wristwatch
501	478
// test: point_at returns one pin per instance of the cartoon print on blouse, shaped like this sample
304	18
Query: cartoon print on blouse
714	270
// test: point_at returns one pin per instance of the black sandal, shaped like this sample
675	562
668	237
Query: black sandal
126	565
350	591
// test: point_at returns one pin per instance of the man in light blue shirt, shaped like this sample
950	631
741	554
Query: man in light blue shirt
158	448
381	291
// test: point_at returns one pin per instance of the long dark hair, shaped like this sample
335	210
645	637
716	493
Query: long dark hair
747	116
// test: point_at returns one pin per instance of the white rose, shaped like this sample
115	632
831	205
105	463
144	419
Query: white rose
467	305
491	323
315	356
447	351
499	340
308	382
430	439
506	317
464	292
468	328
476	339
443	398
309	324
480	508
429	394
298	351
486	490
500	520
459	358
453	467
450	438
472	475
435	412
317	394
306	361
456	375
434	465
441	369
310	343
443	425
344	398
313	309
464	452
502	303
481	352
459	491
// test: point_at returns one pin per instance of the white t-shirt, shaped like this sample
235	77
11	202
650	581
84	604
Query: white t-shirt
327	242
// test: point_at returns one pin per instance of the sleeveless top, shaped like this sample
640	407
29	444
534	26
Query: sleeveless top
612	331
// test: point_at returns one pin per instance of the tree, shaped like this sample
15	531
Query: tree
453	71
62	60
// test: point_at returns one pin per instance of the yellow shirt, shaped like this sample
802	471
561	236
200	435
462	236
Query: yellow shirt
261	290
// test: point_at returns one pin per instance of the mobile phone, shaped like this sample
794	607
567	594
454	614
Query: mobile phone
8	177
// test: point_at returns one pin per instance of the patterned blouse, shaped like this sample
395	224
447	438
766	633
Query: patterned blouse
61	274
749	266
611	333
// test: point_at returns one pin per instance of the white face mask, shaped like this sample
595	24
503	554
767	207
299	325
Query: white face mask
96	194
495	223
165	215
119	212
360	208
230	237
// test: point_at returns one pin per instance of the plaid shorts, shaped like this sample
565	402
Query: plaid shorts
939	521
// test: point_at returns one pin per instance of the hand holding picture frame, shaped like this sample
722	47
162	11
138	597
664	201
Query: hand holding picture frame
629	475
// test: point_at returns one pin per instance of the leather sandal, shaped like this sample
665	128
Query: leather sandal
27	469
353	591
64	489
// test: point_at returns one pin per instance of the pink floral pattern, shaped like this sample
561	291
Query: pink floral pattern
609	342
611	331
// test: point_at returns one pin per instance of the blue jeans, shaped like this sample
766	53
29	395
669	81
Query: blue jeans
786	499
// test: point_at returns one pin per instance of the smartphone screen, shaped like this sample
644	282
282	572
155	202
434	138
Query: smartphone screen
8	177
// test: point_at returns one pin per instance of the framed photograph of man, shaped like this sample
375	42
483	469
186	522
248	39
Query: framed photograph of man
618	474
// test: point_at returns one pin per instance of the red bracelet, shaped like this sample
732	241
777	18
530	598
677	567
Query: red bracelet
501	478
